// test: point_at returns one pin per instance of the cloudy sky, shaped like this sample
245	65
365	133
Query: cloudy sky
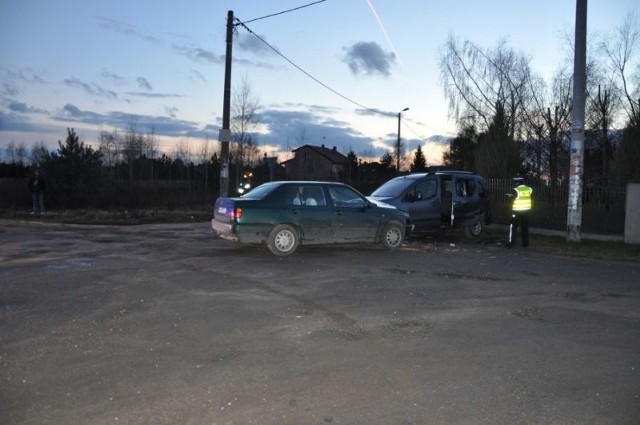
345	68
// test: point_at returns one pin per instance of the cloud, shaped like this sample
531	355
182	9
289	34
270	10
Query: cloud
153	95
195	75
23	108
198	54
113	78
291	129
13	122
368	58
92	89
12	81
127	29
162	125
10	89
143	83
251	44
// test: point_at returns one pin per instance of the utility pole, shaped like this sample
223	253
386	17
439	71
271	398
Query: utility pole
576	166
224	135
398	142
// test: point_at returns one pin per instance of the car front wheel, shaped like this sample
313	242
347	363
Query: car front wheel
283	240
393	235
474	230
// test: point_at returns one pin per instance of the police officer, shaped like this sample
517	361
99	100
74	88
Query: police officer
520	211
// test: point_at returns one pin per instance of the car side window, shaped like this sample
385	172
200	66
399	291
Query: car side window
293	196
313	196
423	190
346	197
310	196
465	187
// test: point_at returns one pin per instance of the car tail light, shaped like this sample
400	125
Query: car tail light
237	213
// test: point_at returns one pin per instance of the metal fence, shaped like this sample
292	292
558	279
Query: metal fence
603	209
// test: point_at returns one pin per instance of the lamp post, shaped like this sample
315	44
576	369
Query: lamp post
398	142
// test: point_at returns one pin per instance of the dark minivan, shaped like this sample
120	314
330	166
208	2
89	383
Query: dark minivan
439	199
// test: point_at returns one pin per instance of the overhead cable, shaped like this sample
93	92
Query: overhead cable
311	76
283	12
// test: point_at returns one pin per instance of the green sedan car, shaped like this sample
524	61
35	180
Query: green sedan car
286	214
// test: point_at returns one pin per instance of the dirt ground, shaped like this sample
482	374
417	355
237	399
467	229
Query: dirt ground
163	324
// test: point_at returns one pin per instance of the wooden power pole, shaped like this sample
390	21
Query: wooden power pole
225	132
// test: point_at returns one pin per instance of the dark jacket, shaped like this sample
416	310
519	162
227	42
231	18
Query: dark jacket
36	184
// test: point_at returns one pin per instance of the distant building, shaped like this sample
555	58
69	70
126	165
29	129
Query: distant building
316	163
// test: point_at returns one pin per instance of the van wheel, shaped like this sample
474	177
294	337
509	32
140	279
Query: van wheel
393	235
474	230
283	240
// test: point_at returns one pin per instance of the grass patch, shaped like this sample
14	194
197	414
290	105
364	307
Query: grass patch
586	248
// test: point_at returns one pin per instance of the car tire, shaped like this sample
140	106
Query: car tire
283	240
393	235
474	230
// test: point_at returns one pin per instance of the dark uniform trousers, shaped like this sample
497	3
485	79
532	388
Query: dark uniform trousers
519	218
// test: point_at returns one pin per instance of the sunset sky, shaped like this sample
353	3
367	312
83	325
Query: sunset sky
96	66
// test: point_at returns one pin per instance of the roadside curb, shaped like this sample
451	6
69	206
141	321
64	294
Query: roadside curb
560	233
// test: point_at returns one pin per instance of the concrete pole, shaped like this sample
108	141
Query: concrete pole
225	132
398	142
398	146
576	166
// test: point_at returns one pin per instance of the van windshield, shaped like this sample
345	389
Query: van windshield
392	188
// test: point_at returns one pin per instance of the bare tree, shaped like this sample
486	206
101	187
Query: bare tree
621	50
244	125
132	146
150	148
475	80
16	153
38	153
204	157
183	156
109	145
548	117
600	114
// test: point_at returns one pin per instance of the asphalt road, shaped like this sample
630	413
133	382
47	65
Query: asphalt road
163	324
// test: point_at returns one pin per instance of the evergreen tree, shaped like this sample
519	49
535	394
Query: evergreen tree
351	167
497	155
461	152
387	160
419	163
73	172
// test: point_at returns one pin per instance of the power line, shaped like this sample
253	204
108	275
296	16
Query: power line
283	12
309	75
375	111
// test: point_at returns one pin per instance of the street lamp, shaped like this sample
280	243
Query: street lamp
398	143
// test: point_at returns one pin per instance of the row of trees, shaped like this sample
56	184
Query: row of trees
127	171
512	120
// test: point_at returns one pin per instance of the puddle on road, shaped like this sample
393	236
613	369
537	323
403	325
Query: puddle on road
8	308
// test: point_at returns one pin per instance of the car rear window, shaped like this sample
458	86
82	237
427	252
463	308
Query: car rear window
260	192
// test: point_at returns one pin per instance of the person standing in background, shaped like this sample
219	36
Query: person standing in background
36	187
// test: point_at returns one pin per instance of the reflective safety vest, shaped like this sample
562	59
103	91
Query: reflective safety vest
523	198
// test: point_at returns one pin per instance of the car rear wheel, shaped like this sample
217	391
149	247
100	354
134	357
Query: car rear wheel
393	235
283	240
474	230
